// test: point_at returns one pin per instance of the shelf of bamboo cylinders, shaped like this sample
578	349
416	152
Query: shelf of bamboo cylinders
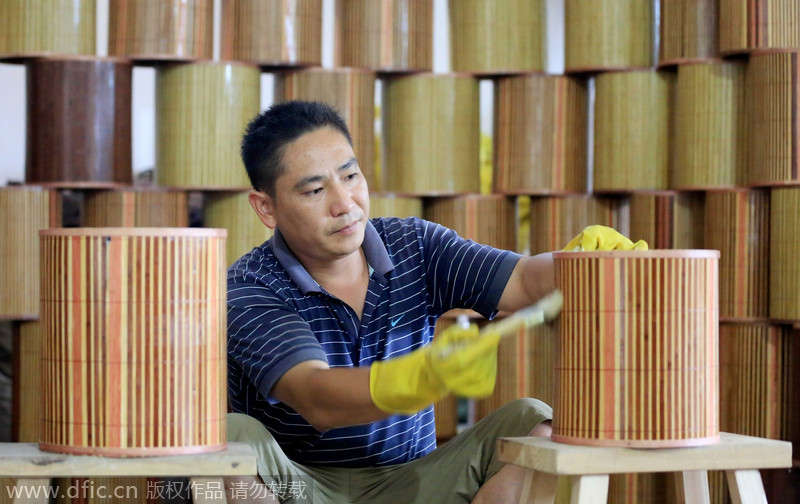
555	220
33	28
773	99
710	144
688	31
637	361
737	224
784	268
351	92
431	133
27	388
445	410
540	134
667	219
497	36
134	365
232	211
272	32
391	205
73	142
202	110
384	35
631	130
140	207
158	30
607	35
750	25
24	210
488	219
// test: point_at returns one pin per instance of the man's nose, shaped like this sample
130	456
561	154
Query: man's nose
341	201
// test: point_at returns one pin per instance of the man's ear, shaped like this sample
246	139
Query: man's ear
265	208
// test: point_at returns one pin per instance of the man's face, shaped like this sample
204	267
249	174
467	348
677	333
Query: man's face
321	202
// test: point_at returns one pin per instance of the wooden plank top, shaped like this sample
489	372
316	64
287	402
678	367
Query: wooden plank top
26	460
733	451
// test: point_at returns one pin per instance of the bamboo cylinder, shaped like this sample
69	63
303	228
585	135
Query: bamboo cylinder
431	128
607	35
749	25
31	28
445	410
773	99
272	32
737	224
232	211
136	208
497	36
637	361
540	135
490	219
351	92
688	31
161	30
390	205
23	212
134	364
26	414
78	142
784	268
667	219
201	112
384	35
710	144
631	126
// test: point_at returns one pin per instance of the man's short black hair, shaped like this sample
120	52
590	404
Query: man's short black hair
267	136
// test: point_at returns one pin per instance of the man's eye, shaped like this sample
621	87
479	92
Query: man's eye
313	192
352	176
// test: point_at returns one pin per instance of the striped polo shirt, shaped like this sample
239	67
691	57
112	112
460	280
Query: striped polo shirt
278	316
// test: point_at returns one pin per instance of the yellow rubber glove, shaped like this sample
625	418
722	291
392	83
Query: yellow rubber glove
459	361
602	238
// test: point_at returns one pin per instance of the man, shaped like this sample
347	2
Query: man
330	331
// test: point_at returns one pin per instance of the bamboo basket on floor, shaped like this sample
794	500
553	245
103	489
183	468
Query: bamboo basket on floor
431	128
134	365
497	36
75	142
540	134
351	92
385	35
667	219
150	207
161	30
32	28
232	211
688	31
555	220
737	224
272	32
710	144
607	35
489	219
637	362
784	267
390	205
631	126
773	98
749	25
201	111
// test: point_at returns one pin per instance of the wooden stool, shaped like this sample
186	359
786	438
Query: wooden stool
739	456
33	469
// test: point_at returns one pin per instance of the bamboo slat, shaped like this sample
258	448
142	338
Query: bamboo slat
431	126
351	92
134	364
201	112
232	211
607	34
631	130
26	411
784	268
497	36
540	134
384	35
390	205
489	219
688	31
23	212
652	488
272	32
555	220
773	101
31	28
737	224
445	410
161	30
136	208
710	144
637	360
748	25
667	219
78	142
